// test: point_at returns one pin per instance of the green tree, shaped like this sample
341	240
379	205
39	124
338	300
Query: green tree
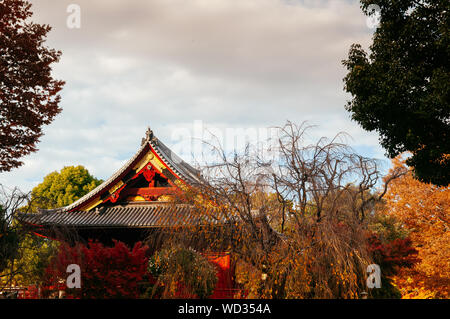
26	255
11	232
63	188
33	254
401	89
8	240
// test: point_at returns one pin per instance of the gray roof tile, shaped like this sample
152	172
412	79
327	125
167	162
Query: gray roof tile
150	214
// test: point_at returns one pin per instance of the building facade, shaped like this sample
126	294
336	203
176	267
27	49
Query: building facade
134	204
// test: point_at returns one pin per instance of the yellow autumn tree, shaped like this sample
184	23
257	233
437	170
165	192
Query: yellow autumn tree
423	210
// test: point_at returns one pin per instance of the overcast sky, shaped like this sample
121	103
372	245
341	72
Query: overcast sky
168	63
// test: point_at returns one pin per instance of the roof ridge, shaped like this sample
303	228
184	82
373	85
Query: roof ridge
181	168
103	185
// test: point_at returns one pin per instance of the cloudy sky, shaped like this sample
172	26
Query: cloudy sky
169	64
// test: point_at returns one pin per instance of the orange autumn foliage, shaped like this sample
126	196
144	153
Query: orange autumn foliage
424	210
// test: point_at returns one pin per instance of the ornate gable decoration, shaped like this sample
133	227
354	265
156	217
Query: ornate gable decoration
152	174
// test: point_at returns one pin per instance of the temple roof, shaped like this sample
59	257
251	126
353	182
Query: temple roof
136	215
99	208
182	170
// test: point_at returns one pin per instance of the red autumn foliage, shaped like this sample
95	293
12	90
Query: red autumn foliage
390	256
106	272
30	292
28	92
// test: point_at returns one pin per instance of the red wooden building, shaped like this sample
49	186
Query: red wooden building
134	204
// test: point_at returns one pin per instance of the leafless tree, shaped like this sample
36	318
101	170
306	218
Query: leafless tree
11	233
18	247
306	207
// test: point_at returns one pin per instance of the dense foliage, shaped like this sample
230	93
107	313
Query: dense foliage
391	256
423	210
106	272
9	239
63	188
11	233
401	88
28	94
28	255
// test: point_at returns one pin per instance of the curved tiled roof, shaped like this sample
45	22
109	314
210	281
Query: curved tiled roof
176	164
183	170
138	215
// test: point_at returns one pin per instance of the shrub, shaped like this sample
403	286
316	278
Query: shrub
106	272
183	272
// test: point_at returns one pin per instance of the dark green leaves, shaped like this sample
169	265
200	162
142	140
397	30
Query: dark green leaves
401	89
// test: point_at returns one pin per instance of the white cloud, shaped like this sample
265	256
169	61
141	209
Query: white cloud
167	63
